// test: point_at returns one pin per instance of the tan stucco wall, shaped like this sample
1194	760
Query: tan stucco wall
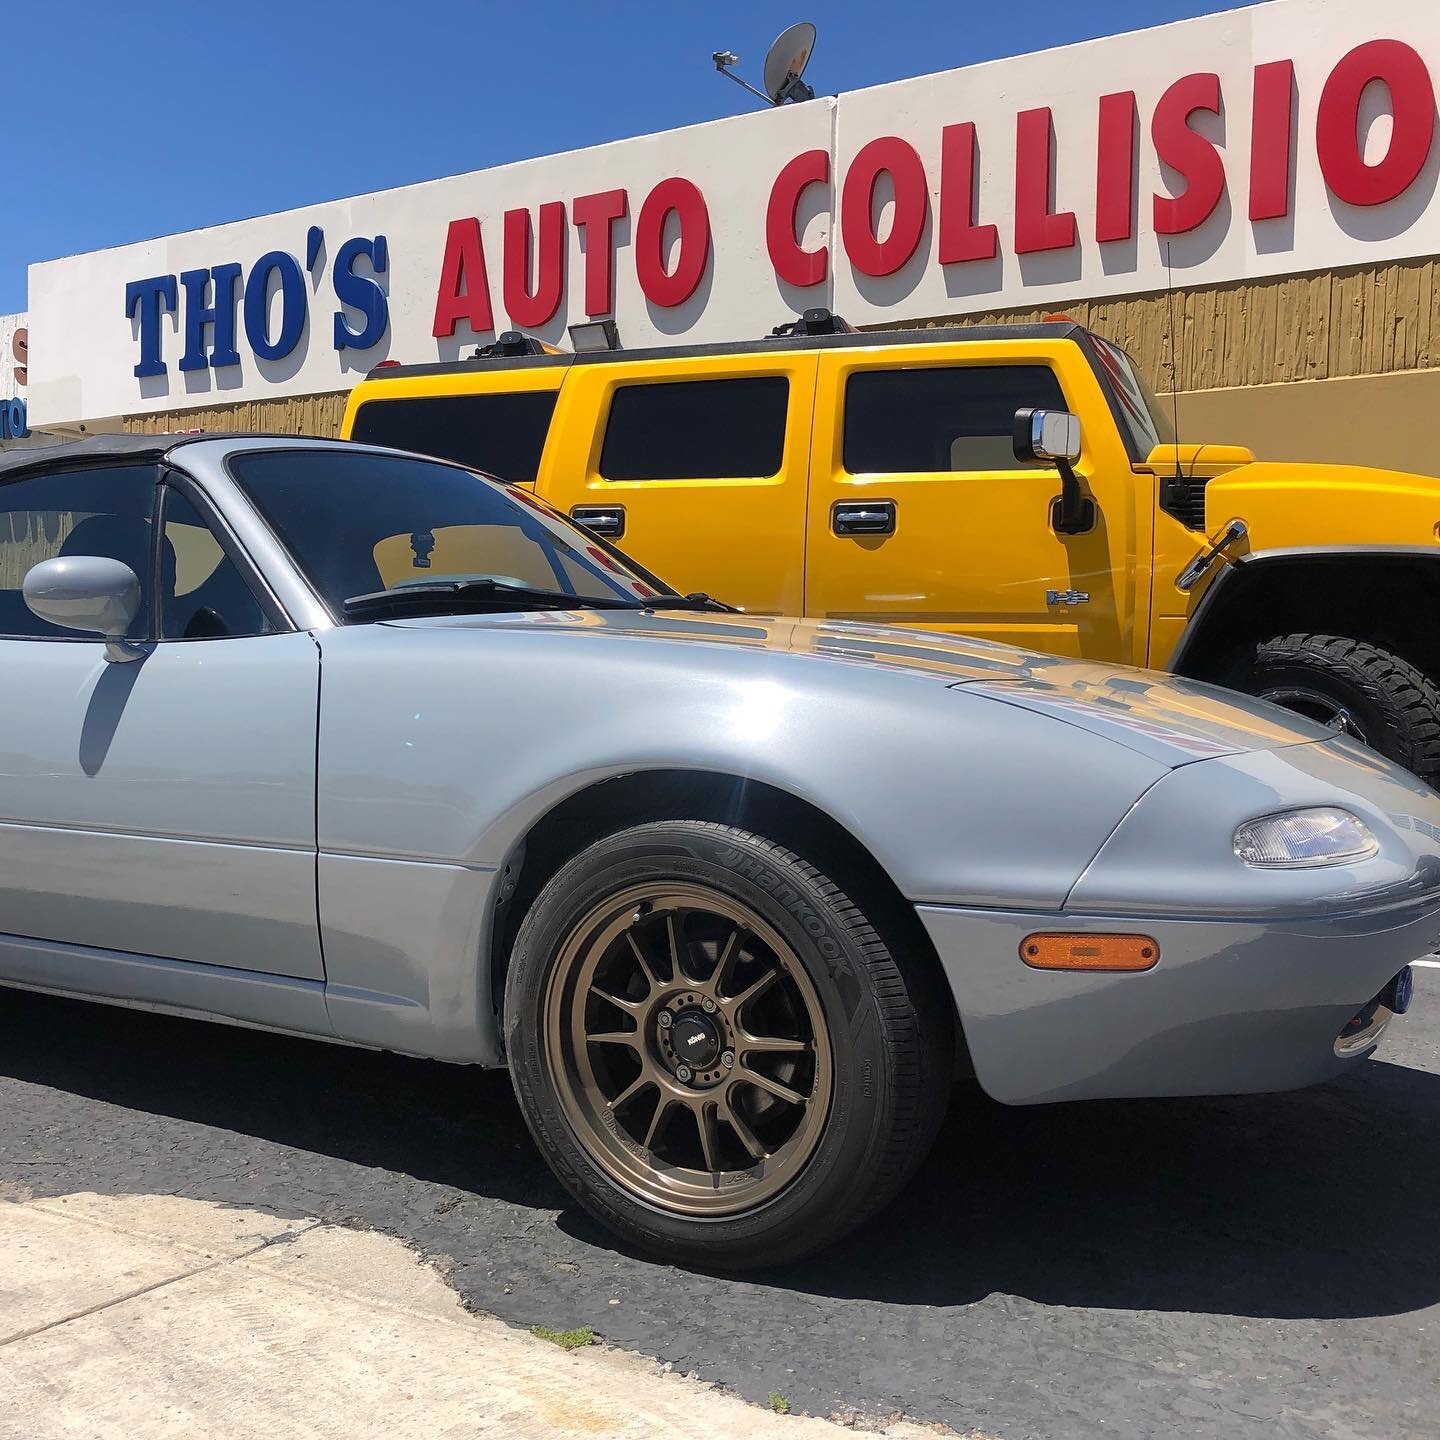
1340	366
1368	420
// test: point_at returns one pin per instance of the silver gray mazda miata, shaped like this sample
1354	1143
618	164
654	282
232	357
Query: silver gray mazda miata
346	743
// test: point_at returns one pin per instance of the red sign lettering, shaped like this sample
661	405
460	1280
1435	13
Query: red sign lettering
961	236
1188	152
1272	128
1412	103
1037	225
595	217
464	286
1115	167
663	287
792	263
868	253
526	307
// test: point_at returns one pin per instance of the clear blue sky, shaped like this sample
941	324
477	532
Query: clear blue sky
127	119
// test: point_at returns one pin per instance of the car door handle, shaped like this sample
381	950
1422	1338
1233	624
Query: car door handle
606	520
875	518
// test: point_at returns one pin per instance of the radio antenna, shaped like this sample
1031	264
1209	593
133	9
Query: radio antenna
1174	373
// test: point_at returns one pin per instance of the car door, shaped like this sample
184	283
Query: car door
698	469
920	514
165	806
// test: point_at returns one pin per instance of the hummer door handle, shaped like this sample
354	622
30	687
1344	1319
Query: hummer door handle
877	517
606	520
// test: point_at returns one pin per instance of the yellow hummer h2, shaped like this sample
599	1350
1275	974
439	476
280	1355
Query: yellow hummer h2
1017	482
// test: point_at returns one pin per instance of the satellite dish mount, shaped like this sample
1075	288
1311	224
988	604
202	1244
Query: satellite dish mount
785	64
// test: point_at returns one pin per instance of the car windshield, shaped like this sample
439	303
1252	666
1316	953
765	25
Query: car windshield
358	523
1146	421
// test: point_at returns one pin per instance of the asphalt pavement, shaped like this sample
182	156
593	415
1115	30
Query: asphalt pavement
1265	1265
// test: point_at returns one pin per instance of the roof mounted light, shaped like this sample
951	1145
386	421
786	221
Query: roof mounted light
591	336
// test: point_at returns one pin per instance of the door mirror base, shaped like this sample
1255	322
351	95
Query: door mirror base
1071	511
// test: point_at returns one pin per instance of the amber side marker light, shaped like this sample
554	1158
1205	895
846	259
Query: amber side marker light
1089	952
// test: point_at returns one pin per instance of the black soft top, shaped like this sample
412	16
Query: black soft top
102	449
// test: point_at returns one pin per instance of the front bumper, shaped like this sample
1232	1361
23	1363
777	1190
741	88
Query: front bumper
1233	1006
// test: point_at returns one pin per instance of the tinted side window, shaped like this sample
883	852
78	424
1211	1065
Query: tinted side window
203	595
938	419
502	434
105	512
696	430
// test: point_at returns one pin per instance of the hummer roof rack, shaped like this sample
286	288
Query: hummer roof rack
512	344
815	321
840	335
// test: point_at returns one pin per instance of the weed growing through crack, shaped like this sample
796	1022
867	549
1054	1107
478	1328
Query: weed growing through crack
566	1339
778	1403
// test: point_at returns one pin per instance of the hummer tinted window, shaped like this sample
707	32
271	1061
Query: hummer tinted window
502	434
697	430
941	418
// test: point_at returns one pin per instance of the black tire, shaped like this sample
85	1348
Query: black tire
1376	696
887	1011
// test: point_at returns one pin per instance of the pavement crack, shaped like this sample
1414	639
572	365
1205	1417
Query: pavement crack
103	1305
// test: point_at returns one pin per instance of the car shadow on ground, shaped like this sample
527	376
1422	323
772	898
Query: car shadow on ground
1319	1203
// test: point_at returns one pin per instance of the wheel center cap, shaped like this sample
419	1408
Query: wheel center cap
695	1039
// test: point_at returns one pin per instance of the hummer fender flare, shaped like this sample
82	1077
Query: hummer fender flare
1230	586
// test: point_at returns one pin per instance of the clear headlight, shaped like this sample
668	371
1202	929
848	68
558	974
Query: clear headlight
1323	836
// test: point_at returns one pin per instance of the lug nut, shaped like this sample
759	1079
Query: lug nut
684	1073
708	1006
666	1019
727	1058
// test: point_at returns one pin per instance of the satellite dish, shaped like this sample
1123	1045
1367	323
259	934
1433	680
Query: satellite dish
785	64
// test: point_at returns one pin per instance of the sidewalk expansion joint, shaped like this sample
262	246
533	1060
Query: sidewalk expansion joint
150	1289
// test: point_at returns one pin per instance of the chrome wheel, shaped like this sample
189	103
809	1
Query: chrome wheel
1323	709
688	1049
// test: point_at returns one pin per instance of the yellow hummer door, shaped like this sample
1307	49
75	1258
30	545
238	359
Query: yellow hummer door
697	466
920	514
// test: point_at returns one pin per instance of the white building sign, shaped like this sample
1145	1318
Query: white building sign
1288	137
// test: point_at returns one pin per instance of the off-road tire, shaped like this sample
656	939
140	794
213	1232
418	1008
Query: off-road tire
1396	706
887	1012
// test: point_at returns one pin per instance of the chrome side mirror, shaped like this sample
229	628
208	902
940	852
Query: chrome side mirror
1052	437
89	593
1047	435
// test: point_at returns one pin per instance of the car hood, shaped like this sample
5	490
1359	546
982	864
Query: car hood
1168	719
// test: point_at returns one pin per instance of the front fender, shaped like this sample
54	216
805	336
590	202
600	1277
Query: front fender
445	747
1348	589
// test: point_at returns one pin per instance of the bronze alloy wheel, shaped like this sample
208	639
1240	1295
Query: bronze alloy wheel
688	1049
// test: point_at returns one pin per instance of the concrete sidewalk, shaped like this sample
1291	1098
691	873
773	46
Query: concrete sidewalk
146	1316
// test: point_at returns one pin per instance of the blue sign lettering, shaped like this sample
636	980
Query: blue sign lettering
361	292
293	304
13	424
149	297
220	315
205	303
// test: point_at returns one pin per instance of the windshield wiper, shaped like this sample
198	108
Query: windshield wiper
440	596
695	600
